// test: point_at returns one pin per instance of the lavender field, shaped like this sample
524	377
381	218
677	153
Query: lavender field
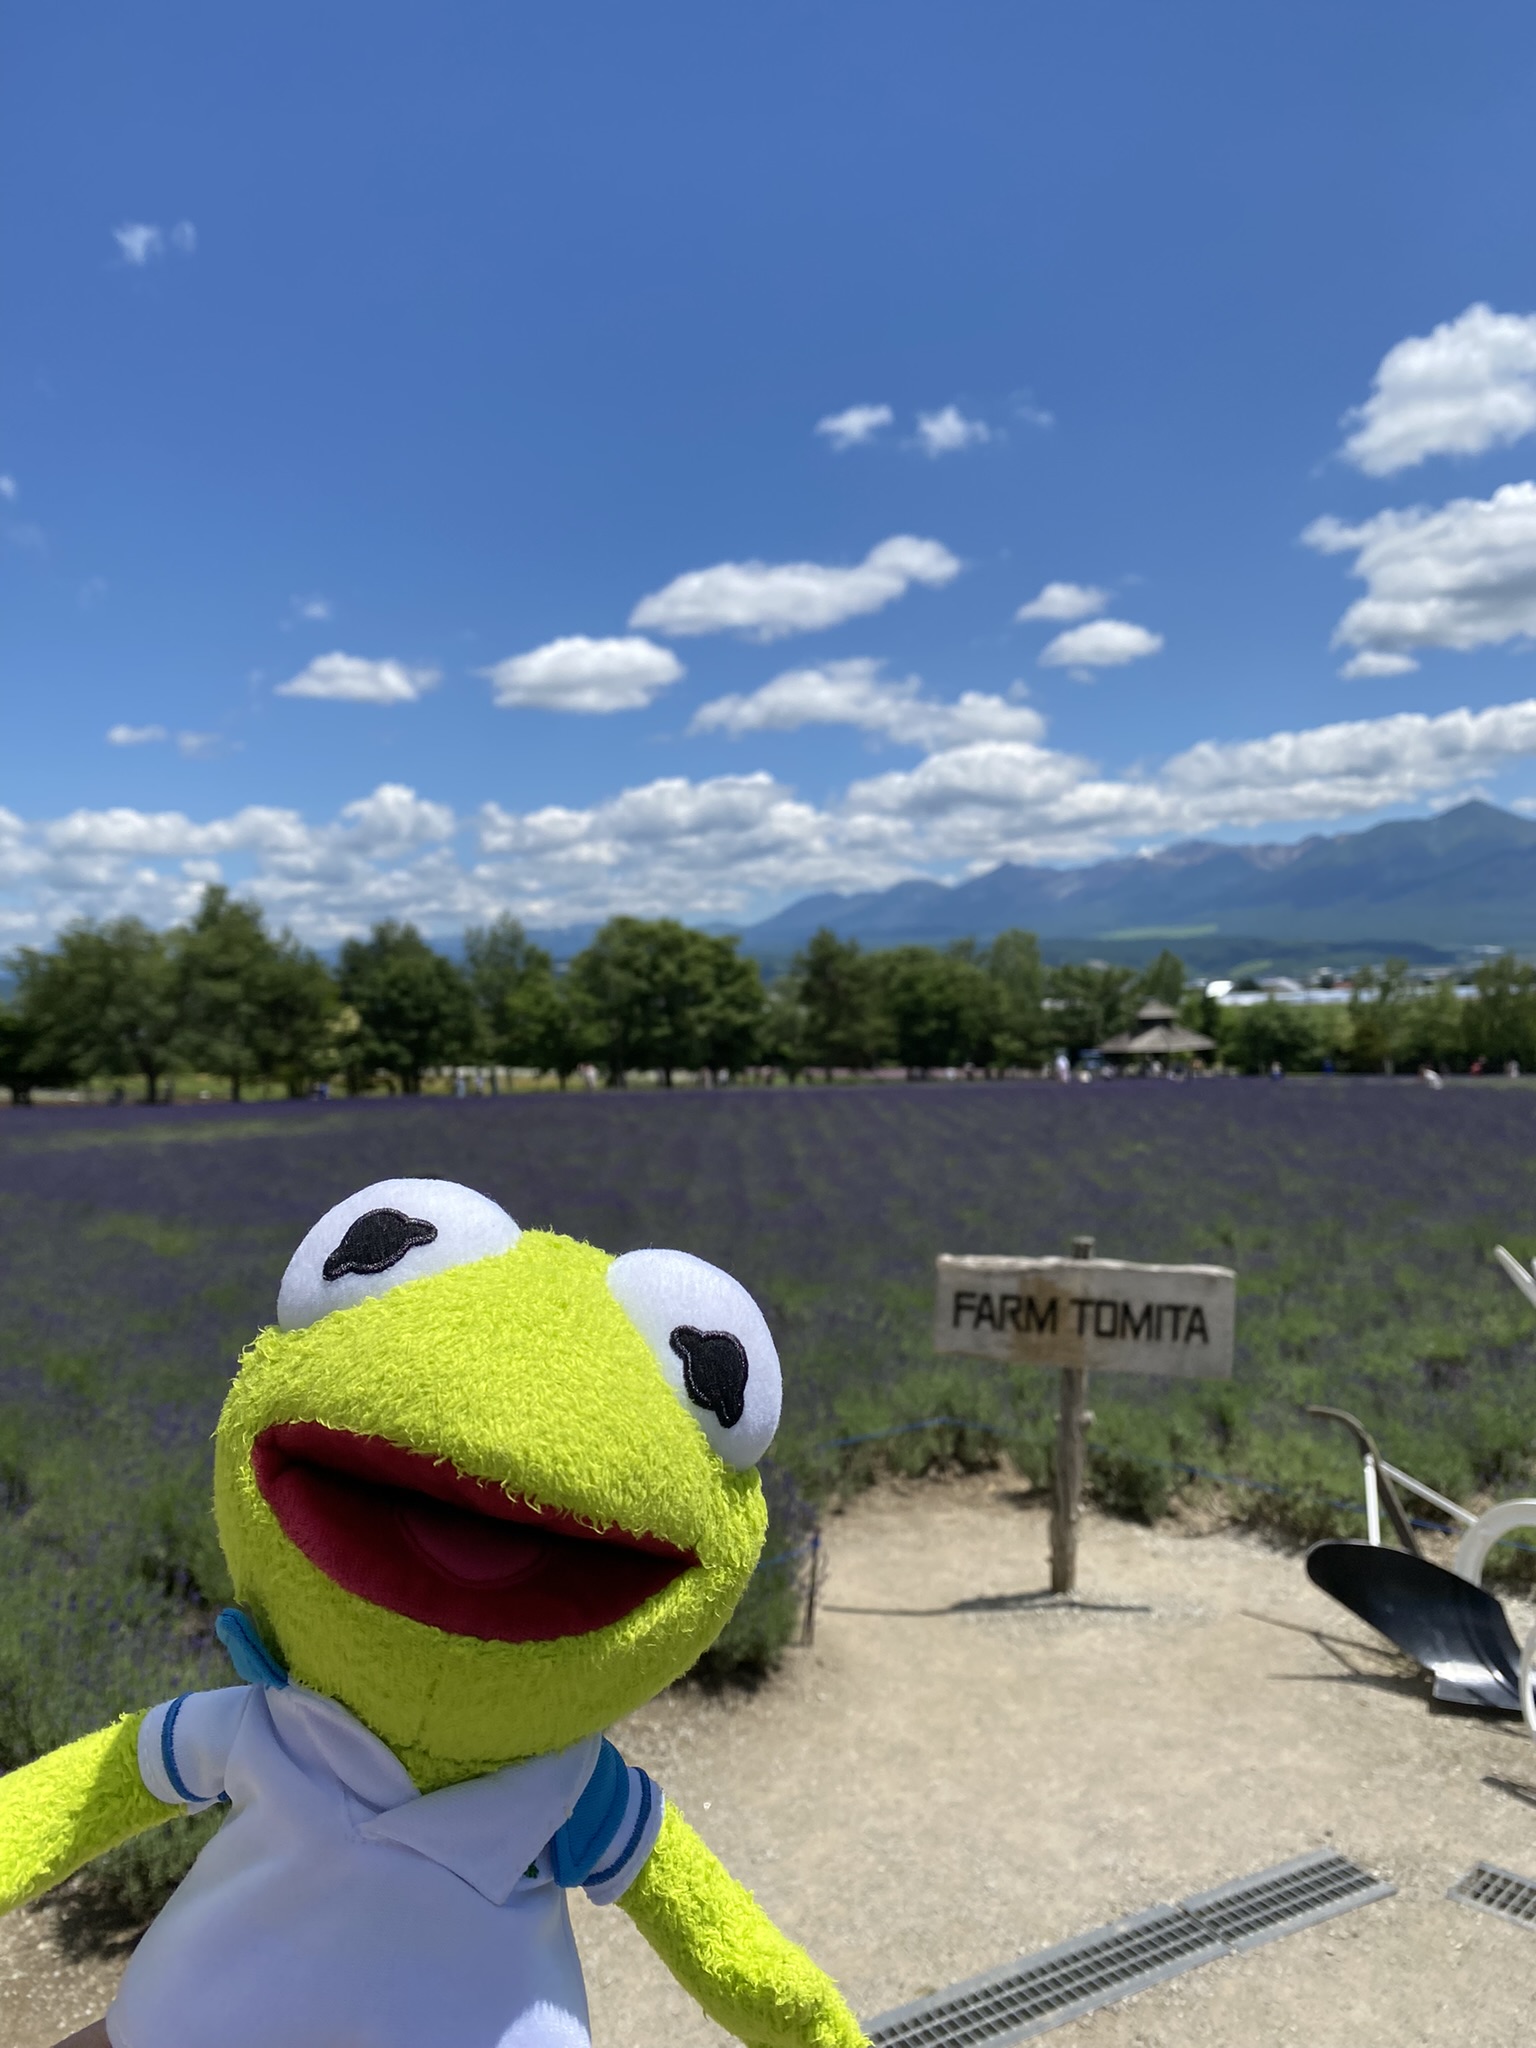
142	1248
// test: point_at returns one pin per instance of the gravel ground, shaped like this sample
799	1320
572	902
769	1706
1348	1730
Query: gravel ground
961	1770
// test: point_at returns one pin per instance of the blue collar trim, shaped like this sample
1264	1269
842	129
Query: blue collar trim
247	1652
576	1849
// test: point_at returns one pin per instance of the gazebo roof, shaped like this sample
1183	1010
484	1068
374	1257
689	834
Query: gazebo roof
1162	1038
1154	1012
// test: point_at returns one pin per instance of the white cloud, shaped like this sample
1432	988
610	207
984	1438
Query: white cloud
8	489
312	610
991	776
1364	764
139	240
858	424
348	679
1462	575
196	746
698	847
854	693
733	845
1065	601
1372	663
388	854
1006	800
578	674
1468	386
947	431
1103	643
395	818
171	835
766	600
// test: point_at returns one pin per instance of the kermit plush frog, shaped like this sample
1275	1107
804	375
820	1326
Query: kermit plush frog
482	1492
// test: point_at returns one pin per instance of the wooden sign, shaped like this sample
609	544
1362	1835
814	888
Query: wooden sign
1096	1315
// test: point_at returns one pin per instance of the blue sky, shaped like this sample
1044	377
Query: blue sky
380	383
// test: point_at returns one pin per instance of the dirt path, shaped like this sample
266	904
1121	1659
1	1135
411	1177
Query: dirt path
959	1772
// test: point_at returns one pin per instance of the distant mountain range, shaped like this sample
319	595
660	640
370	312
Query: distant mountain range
1430	888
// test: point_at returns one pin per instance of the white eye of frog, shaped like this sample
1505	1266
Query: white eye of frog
394	1231
708	1336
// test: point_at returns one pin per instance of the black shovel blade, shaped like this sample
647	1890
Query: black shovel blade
1451	1627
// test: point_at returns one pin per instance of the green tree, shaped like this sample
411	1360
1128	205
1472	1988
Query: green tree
106	1000
1377	1003
25	1061
498	958
785	1027
732	1024
1089	1002
1254	1038
295	1027
543	1027
1163	981
1200	1012
642	988
1017	973
528	1018
413	1008
840	993
219	957
939	1005
650	992
252	1005
1499	1022
608	981
1433	1028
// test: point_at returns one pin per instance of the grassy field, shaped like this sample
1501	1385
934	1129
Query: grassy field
143	1248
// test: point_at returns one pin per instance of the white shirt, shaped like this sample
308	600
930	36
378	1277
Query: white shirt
338	1907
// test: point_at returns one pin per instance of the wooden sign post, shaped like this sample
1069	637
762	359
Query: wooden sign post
1071	1460
1081	1314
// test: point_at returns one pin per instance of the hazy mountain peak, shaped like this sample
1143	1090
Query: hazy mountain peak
1464	878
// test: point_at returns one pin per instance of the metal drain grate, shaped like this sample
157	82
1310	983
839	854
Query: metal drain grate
1497	1891
1253	1910
1025	1998
1059	1984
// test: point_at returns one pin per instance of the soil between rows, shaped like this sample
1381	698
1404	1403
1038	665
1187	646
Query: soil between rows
960	1771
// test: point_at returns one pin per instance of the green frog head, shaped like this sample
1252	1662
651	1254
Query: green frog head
491	1489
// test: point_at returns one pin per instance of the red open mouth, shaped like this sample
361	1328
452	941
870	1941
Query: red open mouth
419	1537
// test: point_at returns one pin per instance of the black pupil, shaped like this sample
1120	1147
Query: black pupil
714	1371
376	1241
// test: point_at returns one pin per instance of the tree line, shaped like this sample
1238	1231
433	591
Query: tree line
1390	1024
223	996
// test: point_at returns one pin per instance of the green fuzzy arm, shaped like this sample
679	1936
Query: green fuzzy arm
722	1948
75	1803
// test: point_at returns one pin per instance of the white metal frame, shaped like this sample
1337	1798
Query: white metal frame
1481	1531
